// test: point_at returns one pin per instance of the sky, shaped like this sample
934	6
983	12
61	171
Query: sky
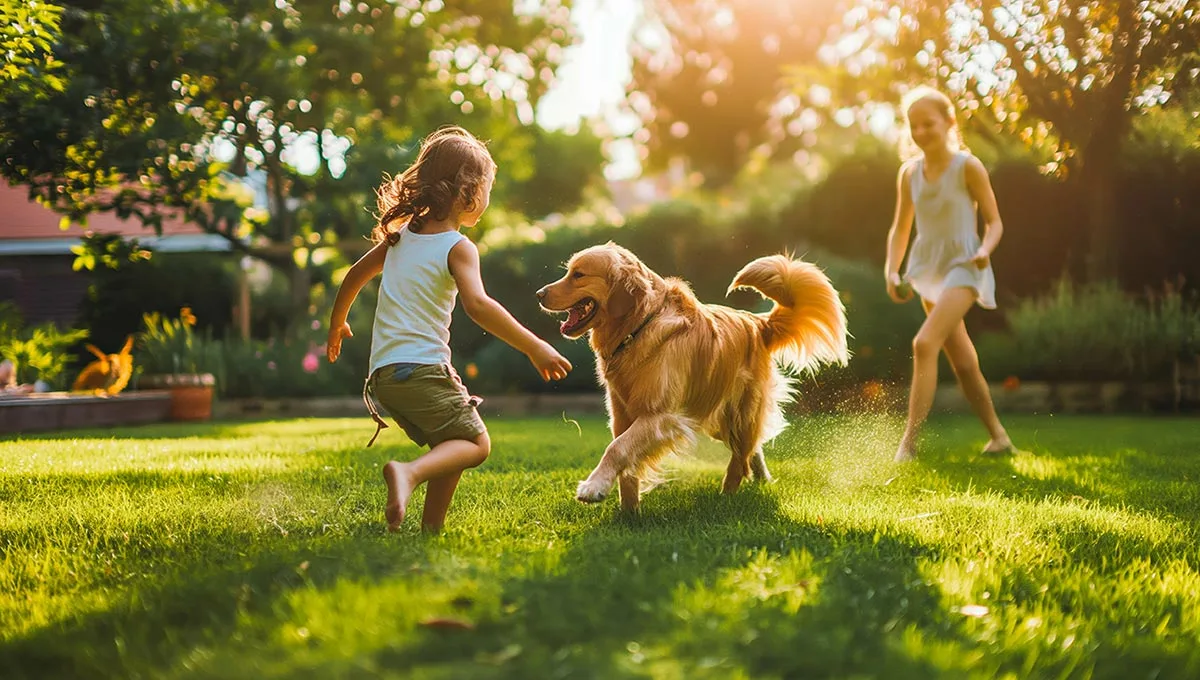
591	80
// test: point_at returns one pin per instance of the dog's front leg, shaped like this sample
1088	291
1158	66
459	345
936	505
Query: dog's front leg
646	440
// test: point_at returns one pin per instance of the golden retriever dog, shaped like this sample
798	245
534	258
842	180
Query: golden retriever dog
673	367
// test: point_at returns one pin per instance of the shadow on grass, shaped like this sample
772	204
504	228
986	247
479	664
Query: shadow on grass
699	585
628	597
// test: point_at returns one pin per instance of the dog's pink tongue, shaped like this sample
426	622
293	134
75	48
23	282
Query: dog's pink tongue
574	314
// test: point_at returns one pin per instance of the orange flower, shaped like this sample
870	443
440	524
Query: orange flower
1011	383
186	316
472	371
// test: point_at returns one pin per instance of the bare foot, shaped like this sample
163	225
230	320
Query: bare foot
906	453
999	446
399	488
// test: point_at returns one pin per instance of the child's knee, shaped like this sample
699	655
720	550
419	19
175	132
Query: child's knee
925	347
483	447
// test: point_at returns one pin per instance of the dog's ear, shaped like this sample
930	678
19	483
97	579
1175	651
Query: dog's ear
631	283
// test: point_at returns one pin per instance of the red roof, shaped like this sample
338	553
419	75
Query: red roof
21	218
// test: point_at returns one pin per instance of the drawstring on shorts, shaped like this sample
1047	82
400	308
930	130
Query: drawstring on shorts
373	408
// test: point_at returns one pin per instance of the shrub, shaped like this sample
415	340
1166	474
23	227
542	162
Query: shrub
1095	332
171	346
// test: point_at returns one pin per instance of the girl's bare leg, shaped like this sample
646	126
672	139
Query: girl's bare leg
447	458
943	317
965	362
439	491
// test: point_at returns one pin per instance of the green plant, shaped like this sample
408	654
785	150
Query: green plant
1096	332
171	346
41	353
10	322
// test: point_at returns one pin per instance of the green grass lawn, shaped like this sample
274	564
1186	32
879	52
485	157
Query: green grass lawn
252	550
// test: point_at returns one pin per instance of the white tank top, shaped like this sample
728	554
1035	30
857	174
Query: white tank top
416	300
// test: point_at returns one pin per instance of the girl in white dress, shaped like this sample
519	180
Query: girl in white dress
944	187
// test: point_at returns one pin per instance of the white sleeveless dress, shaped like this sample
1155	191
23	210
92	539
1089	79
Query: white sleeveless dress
947	236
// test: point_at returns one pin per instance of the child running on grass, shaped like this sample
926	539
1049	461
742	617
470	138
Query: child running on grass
943	186
425	262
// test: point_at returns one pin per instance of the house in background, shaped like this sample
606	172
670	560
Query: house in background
36	257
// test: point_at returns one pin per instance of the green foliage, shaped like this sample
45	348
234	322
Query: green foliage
1096	332
28	31
707	92
172	347
110	250
168	108
562	167
294	368
265	541
10	321
40	353
117	299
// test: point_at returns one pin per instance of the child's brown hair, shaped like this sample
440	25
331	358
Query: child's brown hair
450	171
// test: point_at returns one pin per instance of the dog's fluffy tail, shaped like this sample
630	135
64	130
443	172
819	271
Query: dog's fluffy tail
807	326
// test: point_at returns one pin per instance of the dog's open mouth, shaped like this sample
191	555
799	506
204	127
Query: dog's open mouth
578	316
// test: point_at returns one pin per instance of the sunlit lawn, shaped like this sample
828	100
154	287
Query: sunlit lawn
252	550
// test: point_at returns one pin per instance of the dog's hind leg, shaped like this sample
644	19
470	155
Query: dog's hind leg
631	492
638	448
745	446
739	467
758	465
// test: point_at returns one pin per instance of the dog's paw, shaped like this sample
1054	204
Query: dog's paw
591	491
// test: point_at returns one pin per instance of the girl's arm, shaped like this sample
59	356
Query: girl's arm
980	188
368	267
495	319
897	243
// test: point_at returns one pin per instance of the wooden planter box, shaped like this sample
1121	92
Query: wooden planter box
50	411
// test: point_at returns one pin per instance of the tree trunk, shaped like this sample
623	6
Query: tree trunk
1099	184
299	280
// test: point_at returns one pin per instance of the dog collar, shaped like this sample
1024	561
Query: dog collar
633	334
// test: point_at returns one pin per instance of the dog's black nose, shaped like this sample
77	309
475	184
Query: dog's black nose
541	294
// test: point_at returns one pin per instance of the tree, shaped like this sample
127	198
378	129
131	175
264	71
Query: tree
710	83
28	29
174	107
1073	72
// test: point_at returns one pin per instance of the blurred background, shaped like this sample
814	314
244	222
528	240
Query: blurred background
222	156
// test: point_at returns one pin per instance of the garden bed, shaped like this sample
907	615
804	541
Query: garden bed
1076	397
575	404
62	410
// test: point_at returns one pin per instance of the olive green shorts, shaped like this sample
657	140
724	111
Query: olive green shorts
429	401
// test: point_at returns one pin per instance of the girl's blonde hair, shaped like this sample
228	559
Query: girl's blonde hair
450	172
942	104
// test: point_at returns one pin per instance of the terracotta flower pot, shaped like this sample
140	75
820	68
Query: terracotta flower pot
191	394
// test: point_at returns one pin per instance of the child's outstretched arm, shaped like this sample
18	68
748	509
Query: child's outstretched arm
368	267
980	187
495	319
897	243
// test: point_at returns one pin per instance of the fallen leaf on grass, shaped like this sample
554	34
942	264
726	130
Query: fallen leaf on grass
447	624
